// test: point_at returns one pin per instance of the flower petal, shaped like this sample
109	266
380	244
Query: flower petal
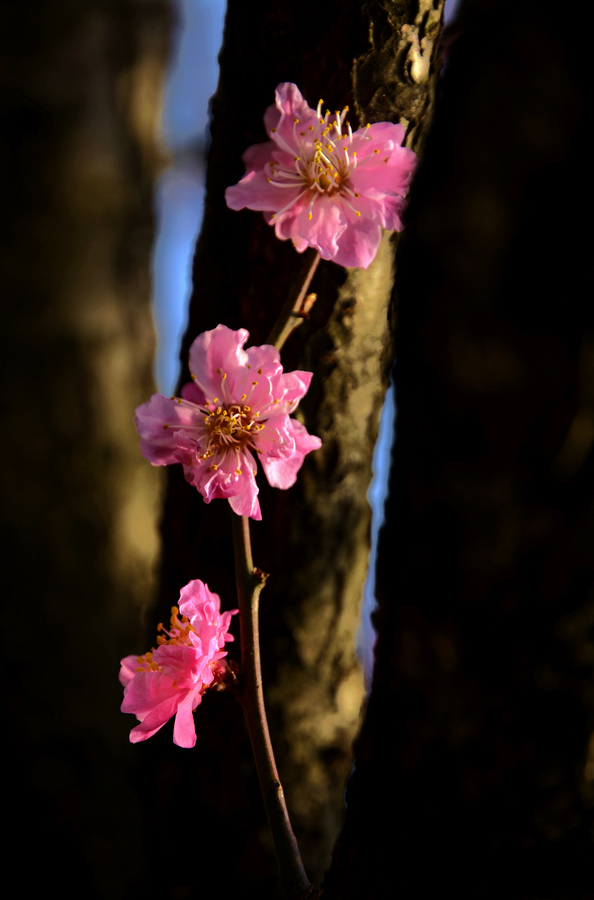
358	244
322	180
215	354
184	730
157	423
257	191
283	454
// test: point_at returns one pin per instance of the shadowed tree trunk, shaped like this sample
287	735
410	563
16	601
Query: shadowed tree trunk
477	738
314	539
474	768
79	95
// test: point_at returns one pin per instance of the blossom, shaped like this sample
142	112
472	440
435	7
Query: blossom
237	405
170	680
323	185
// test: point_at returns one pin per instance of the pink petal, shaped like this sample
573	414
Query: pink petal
245	502
128	669
184	730
193	596
391	177
358	244
256	192
256	156
220	349
293	386
291	105
324	228
193	393
182	664
155	423
154	720
266	358
384	131
281	460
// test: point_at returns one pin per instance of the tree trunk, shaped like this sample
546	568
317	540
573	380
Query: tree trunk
81	85
477	739
314	539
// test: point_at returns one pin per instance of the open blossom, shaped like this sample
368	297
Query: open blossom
323	185
170	680
237	407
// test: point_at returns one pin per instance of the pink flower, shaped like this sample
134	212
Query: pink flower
238	405
322	184
170	680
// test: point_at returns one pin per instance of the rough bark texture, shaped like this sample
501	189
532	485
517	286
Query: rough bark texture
314	539
79	95
477	738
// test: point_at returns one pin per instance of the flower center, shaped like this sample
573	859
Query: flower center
327	169
231	427
324	170
177	633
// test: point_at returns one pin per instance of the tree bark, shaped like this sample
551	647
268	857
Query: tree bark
80	89
477	739
314	539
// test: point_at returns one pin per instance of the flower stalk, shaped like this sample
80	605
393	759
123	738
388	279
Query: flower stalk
250	582
298	302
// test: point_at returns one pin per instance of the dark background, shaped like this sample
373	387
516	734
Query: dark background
472	767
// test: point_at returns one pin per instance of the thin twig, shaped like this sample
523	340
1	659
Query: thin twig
298	303
250	582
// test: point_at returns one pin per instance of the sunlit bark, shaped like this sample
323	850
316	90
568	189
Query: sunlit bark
314	539
80	92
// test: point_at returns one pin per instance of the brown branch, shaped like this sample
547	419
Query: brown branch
298	303
250	582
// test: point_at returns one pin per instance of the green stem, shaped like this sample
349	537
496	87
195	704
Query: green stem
250	582
296	306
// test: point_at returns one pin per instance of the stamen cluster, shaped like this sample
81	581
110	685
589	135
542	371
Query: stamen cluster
171	679
323	185
237	405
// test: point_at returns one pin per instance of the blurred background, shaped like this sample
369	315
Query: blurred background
485	572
